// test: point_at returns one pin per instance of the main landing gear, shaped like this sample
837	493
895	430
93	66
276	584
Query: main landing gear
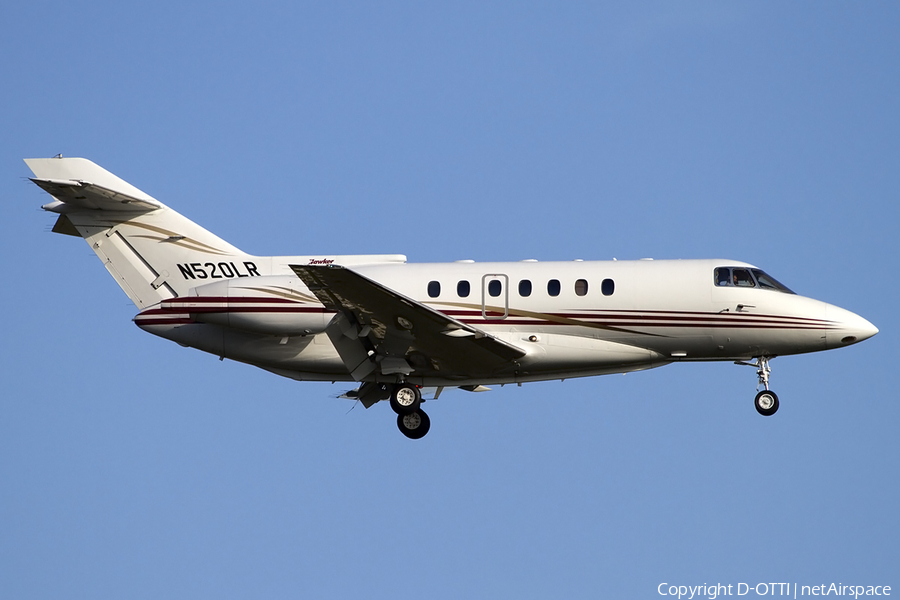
766	401
414	425
406	400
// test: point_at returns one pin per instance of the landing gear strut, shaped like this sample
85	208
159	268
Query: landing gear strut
766	401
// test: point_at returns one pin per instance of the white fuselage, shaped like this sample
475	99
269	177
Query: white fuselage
572	319
394	327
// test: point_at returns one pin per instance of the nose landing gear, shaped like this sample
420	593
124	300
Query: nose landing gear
766	401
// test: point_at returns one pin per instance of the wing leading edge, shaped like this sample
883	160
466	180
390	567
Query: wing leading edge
380	332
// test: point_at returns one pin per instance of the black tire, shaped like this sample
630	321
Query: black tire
414	425
766	403
405	399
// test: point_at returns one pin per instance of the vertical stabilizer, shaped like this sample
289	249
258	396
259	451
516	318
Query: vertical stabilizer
145	245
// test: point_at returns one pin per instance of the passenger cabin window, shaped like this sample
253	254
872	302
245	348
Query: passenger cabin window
743	277
525	288
495	287
608	287
463	288
553	287
434	289
581	287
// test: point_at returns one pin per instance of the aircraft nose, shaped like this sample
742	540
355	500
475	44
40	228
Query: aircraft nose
849	328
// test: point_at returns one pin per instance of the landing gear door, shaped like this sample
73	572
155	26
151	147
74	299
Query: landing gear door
495	296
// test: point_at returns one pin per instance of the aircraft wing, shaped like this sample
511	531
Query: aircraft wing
380	331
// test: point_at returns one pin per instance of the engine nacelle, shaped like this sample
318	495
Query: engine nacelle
273	305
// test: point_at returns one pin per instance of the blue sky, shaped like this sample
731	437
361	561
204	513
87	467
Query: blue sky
765	132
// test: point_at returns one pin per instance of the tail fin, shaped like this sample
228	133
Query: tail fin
142	242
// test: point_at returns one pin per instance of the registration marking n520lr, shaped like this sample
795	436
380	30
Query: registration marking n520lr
222	270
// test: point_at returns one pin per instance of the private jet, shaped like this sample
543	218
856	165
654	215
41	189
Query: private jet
395	328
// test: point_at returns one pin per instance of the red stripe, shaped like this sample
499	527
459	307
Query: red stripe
619	325
671	317
161	321
248	309
220	299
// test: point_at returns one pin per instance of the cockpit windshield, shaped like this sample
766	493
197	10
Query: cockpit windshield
748	278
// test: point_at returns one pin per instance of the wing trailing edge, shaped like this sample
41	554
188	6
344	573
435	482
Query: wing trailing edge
381	332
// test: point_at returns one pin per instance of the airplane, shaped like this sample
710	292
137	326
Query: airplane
394	328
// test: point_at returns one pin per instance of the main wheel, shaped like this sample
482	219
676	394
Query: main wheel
414	425
406	399
766	403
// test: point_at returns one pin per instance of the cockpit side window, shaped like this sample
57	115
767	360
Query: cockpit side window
748	278
723	276
742	278
767	282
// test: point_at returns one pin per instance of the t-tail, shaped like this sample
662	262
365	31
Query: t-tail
153	252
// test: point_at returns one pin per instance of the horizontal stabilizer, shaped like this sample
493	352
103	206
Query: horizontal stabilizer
79	184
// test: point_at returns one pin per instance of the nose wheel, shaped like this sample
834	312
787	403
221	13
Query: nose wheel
766	401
